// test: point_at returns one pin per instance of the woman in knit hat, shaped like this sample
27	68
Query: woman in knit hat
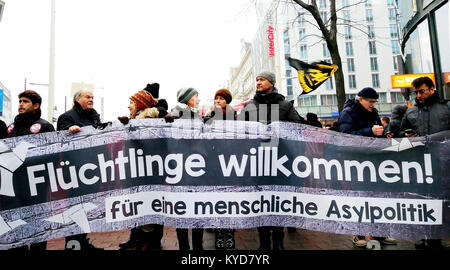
222	109
187	106
142	105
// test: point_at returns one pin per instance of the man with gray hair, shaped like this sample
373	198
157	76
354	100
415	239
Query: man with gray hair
82	114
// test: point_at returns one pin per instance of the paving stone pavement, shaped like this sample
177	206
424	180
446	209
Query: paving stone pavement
245	240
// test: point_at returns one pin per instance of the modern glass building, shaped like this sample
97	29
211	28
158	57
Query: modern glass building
425	42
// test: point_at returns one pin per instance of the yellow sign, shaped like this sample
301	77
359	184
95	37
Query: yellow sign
447	77
405	80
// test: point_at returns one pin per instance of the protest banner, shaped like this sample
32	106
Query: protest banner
224	174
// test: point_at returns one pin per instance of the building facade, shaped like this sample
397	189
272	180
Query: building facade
425	26
241	83
368	41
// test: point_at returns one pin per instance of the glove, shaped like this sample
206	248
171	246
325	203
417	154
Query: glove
123	119
101	126
169	118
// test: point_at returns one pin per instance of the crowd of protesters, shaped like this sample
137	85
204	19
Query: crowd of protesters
428	115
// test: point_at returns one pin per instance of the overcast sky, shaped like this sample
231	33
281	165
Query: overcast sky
120	46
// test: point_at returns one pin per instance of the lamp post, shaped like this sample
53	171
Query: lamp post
51	80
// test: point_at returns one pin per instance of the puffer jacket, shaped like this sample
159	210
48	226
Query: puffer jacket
356	120
427	118
253	109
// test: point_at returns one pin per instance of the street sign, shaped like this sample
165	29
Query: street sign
405	80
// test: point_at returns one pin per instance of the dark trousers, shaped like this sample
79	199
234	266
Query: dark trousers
183	239
265	235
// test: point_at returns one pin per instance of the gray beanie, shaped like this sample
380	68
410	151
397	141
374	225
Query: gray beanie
270	76
185	94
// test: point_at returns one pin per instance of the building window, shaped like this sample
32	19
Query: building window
307	101
392	15
394	31
347	32
345	3
301	34
373	64
351	65
303	51
369	15
346	15
371	31
368	3
349	48
324	16
390	3
326	52
289	87
287	46
372	47
329	84
397	98
375	81
395	59
350	96
352	81
328	100
322	4
395	47
301	19
382	98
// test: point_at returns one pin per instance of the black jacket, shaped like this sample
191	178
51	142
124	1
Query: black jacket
253	108
26	124
78	117
3	133
356	120
427	118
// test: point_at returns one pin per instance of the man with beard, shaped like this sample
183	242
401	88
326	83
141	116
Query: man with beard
28	122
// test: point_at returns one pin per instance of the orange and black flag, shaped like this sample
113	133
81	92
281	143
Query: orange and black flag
311	76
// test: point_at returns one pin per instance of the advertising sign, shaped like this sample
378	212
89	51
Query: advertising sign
405	80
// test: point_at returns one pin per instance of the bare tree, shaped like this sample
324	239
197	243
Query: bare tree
330	35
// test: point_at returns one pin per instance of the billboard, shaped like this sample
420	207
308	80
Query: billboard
405	80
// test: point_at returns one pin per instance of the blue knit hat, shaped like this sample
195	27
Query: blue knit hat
368	93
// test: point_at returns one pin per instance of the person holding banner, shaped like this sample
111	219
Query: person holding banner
260	109
187	108
360	117
224	238
429	115
82	114
3	128
266	99
143	105
28	122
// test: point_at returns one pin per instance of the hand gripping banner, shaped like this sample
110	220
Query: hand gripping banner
228	174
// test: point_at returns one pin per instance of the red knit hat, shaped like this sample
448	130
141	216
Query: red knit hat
143	100
225	94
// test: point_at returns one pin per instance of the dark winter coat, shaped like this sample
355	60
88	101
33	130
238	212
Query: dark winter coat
356	120
3	133
253	109
396	119
427	118
29	123
78	117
